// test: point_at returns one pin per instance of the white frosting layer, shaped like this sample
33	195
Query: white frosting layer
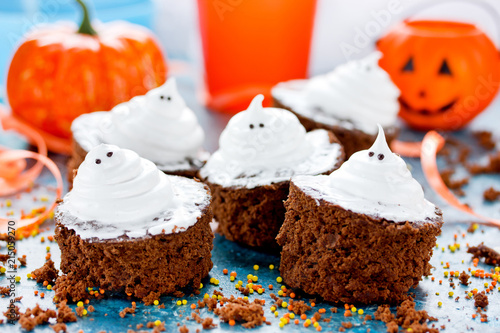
261	146
118	193
358	94
374	182
158	126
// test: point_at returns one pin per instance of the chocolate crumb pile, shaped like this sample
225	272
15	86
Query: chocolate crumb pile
464	278
491	257
126	311
46	273
37	316
491	194
406	317
241	310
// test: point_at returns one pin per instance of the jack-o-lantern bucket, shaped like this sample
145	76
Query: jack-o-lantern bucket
448	72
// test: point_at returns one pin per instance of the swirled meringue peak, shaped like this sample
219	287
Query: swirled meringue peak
117	193
158	126
358	91
266	145
374	182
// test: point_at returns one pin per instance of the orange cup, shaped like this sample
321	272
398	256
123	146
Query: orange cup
250	45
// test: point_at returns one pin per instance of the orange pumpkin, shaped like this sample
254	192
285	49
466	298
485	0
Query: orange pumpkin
59	73
448	72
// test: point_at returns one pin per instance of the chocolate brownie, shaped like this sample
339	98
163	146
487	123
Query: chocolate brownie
161	263
349	257
352	139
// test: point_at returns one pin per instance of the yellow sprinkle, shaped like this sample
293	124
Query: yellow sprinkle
237	286
212	280
255	267
360	311
255	278
308	321
437	294
316	324
79	304
260	291
184	302
409	329
2	270
442	249
231	278
273	308
276	314
457	246
470	294
283	288
475	226
216	282
18	278
8	203
250	285
280	292
44	199
240	282
271	266
156	302
457	274
219	297
249	276
28	276
250	291
497	269
48	248
246	297
292	315
446	273
179	303
201	285
84	312
284	304
450	294
157	323
486	284
49	287
473	272
440	303
214	296
281	324
353	309
279	279
452	248
51	215
206	296
442	262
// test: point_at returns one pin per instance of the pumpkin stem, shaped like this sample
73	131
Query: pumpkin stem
85	26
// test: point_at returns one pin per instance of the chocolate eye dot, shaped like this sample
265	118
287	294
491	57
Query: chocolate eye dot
162	97
251	126
261	125
169	98
380	156
109	154
371	154
97	161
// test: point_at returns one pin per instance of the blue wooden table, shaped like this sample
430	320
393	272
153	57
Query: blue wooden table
456	316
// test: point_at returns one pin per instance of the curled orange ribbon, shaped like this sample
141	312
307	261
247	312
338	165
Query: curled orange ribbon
427	150
14	177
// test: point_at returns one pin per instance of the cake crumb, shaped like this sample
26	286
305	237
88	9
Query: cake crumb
35	316
481	300
491	194
301	307
59	327
22	261
183	329
4	258
406	317
65	314
493	165
47	272
152	296
91	308
464	278
491	257
128	310
485	139
346	324
241	310
454	185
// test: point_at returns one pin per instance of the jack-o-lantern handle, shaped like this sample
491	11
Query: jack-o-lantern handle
85	26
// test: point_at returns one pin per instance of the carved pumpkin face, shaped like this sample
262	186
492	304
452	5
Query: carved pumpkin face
448	72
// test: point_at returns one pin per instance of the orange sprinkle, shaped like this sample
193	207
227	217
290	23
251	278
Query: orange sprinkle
133	303
348	313
494	282
193	306
318	328
321	310
36	292
313	320
346	306
101	291
232	322
286	315
233	273
313	304
129	294
296	321
306	324
292	295
225	271
42	239
483	320
469	269
432	278
440	281
284	294
303	316
42	295
45	283
290	307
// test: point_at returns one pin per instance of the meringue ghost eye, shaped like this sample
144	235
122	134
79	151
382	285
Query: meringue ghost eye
251	126
97	161
261	125
380	156
162	97
169	98
371	154
109	154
